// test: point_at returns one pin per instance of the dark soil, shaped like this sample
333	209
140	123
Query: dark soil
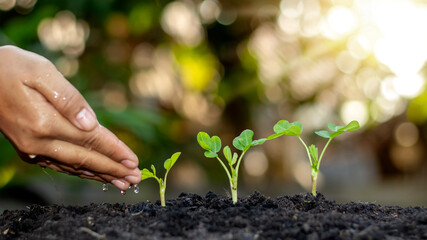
191	216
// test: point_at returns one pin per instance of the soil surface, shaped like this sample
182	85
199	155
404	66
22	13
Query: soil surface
191	216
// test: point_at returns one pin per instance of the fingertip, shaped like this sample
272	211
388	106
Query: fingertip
120	184
130	164
86	120
135	178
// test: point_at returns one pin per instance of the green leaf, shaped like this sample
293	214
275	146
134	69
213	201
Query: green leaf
171	161
237	144
338	130
216	144
258	142
204	140
153	168
323	133
146	174
227	153
273	136
314	155
283	127
243	141
333	127
353	125
209	154
234	160
209	143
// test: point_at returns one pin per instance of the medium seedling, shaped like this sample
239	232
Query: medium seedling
243	142
162	182
283	127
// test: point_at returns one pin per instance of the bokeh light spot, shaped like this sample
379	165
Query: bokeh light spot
209	11
406	134
6	5
181	22
64	32
354	110
255	163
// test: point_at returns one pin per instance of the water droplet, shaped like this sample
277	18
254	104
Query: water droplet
130	186
64	98
43	167
55	94
135	188
57	149
104	187
47	74
123	192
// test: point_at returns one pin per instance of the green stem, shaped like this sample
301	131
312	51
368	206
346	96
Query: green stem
162	185
235	177
321	155
225	168
314	181
233	187
306	149
232	180
238	163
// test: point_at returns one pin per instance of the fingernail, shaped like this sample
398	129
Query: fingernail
119	184
133	179
136	172
86	119
87	173
130	164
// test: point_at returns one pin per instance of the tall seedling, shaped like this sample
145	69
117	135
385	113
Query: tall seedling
243	142
283	127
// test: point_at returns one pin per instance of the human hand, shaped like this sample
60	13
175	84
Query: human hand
50	123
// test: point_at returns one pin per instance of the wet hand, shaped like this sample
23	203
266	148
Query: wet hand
50	123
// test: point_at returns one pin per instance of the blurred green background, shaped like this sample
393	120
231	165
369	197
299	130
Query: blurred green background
158	72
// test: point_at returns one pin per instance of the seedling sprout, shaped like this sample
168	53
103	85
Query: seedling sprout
162	182
243	142
283	127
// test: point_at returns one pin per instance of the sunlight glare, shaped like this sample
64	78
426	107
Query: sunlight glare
354	110
408	85
341	20
402	46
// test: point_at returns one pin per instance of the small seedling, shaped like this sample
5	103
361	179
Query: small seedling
283	127
243	142
162	182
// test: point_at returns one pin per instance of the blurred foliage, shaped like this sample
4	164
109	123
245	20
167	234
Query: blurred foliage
157	72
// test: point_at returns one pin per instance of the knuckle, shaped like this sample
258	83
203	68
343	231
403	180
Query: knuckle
92	141
27	145
44	63
38	64
68	103
42	128
82	163
112	151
